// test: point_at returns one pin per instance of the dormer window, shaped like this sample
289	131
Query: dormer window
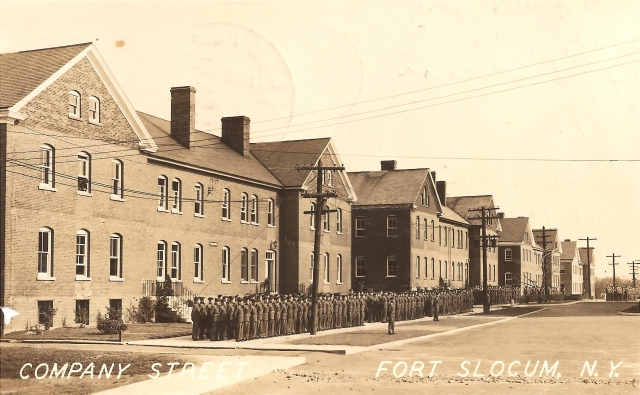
94	110
74	104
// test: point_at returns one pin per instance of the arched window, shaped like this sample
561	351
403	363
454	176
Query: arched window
311	268
254	209
339	269
243	208
326	221
446	270
176	261
163	199
326	268
115	256
254	265
84	172
423	196
198	203
176	191
117	180
329	178
433	268
453	271
244	265
226	204
82	254
47	167
271	219
94	110
433	230
312	221
226	269
426	228
418	263
466	272
339	220
198	270
45	253
74	104
161	260
417	227
426	267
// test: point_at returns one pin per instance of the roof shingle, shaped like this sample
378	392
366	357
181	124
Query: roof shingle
388	187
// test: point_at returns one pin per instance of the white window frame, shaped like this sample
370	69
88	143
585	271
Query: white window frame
312	220
433	230
163	196
446	270
254	272
361	267
198	269
392	270
45	254
327	267
423	196
176	192
418	232
117	181
326	222
75	104
313	262
361	227
161	260
270	261
426	268
508	254
508	276
426	228
339	221
48	168
433	268
244	266
244	215
226	265
94	110
84	173
255	219
176	261
418	263
271	219
82	255
226	205
329	178
339	269
115	257
198	203
392	226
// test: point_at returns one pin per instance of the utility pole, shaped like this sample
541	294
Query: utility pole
484	245
588	265
633	271
613	257
321	198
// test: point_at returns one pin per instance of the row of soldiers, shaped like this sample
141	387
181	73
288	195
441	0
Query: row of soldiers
622	294
260	316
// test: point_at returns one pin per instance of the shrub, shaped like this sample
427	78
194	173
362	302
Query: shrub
142	313
111	322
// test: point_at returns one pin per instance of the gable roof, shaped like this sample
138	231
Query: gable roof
448	214
462	204
210	153
552	238
583	256
22	72
282	157
569	250
388	187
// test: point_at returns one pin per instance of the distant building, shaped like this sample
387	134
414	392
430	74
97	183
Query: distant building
551	255
571	269
519	257
588	271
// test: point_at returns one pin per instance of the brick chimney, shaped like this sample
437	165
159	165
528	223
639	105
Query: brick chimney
441	188
235	133
183	114
388	165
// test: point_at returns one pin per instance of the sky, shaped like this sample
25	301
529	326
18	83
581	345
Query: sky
533	102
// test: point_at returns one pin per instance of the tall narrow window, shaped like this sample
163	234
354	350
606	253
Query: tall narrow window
115	256
244	265
74	104
339	220
162	193
339	269
508	254
226	204
311	266
360	227
198	270
312	220
45	252
392	226
329	178
271	219
198	203
446	270
82	254
417	227
84	172
426	227
254	265
47	167
360	267
176	191
175	261
326	268
325	221
226	269
254	209
423	196
433	268
466	272
446	236
440	268
243	208
439	235
466	240
433	230
392	266
426	267
418	262
161	260
94	110
117	180
270	270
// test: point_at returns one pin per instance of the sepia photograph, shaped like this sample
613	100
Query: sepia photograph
320	197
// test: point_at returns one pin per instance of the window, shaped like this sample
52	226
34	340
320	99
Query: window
466	272
84	172
115	304
392	226
244	265
270	270
466	242
339	269
423	196
45	253
418	262
439	235
176	191
243	208
254	265
326	268
446	236
440	268
325	221
494	272
271	219
426	267
162	260
360	227
392	266
82	312
94	110
45	309
507	276
433	268
175	261
339	220
459	271
226	204
226	270
74	104
508	254
329	178
313	262
82	254
117	180
360	267
47	167
198	204
254	209
417	227
426	228
198	271
453	271
312	220
446	270
162	193
115	256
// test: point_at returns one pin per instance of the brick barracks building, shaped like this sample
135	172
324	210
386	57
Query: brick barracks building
519	257
100	200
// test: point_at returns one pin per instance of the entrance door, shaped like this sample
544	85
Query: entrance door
270	279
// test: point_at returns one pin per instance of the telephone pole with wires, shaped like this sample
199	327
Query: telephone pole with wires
633	266
320	209
588	274
484	244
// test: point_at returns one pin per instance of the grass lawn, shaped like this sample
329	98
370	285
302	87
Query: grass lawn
13	358
134	332
633	309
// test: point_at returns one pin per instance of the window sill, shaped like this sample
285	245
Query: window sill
226	219
311	228
326	283
198	281
226	282
361	236
254	282
75	117
162	210
337	283
244	222
271	226
116	279
116	198
82	278
244	282
198	215
359	276
255	224
45	277
96	123
176	212
393	277
326	231
84	193
47	187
